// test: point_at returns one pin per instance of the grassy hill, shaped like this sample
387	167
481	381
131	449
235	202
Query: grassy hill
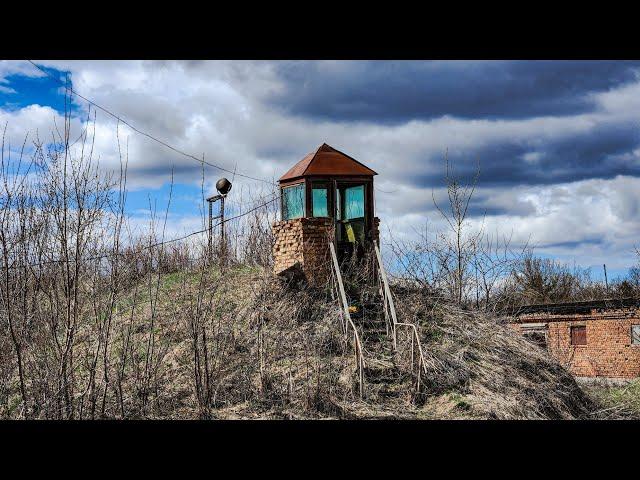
244	344
241	343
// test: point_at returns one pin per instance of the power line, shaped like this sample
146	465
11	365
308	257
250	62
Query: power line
99	257
161	142
148	247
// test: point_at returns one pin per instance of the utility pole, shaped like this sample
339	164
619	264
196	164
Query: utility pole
211	201
606	282
222	221
223	186
210	247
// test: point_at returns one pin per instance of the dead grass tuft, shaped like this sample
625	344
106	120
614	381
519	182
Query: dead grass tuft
497	373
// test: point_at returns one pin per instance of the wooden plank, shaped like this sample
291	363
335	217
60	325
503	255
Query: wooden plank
579	335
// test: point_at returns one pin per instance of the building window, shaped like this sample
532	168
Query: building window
293	202
579	335
635	334
319	200
538	337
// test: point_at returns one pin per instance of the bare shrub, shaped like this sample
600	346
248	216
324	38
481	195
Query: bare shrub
458	263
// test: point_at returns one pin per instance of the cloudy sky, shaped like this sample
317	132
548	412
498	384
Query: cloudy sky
558	142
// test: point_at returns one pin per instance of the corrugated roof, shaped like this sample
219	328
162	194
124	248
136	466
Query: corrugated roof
326	160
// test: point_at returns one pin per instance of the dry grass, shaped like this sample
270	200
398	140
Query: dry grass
281	354
278	351
478	367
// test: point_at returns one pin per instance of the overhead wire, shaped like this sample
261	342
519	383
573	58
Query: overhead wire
199	160
148	135
148	247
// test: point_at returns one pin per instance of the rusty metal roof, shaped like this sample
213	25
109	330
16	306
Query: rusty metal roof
327	161
579	307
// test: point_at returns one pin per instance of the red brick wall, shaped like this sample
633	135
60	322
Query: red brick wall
608	352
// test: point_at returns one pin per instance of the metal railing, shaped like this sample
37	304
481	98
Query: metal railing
392	320
348	322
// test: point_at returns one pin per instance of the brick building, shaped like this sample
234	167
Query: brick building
590	339
325	197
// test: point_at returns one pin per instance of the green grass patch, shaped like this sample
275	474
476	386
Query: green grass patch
623	396
460	401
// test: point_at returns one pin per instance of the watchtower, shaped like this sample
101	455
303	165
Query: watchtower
326	197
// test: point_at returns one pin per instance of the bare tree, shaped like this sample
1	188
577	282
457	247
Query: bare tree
494	259
463	244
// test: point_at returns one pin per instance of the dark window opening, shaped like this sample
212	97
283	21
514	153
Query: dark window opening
537	337
579	335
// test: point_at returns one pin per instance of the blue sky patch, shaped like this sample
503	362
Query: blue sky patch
42	90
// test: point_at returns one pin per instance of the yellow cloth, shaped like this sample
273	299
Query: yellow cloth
350	235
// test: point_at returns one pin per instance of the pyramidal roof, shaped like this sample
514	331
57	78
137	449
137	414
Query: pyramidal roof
326	160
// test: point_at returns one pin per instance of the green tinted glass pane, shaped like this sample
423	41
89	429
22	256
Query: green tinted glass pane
354	202
293	202
320	202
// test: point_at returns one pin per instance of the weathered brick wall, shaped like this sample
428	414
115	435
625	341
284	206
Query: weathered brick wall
288	242
608	352
375	231
304	241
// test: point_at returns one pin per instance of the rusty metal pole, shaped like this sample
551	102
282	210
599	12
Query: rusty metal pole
223	245
223	186
210	247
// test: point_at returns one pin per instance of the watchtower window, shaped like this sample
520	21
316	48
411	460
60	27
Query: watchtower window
293	202
353	202
635	334
319	199
350	213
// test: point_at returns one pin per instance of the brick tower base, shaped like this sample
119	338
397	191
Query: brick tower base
305	242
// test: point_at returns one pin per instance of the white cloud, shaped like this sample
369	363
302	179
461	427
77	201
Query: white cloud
28	122
14	67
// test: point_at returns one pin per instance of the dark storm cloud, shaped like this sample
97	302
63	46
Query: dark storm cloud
279	152
593	154
396	92
574	243
492	203
480	209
